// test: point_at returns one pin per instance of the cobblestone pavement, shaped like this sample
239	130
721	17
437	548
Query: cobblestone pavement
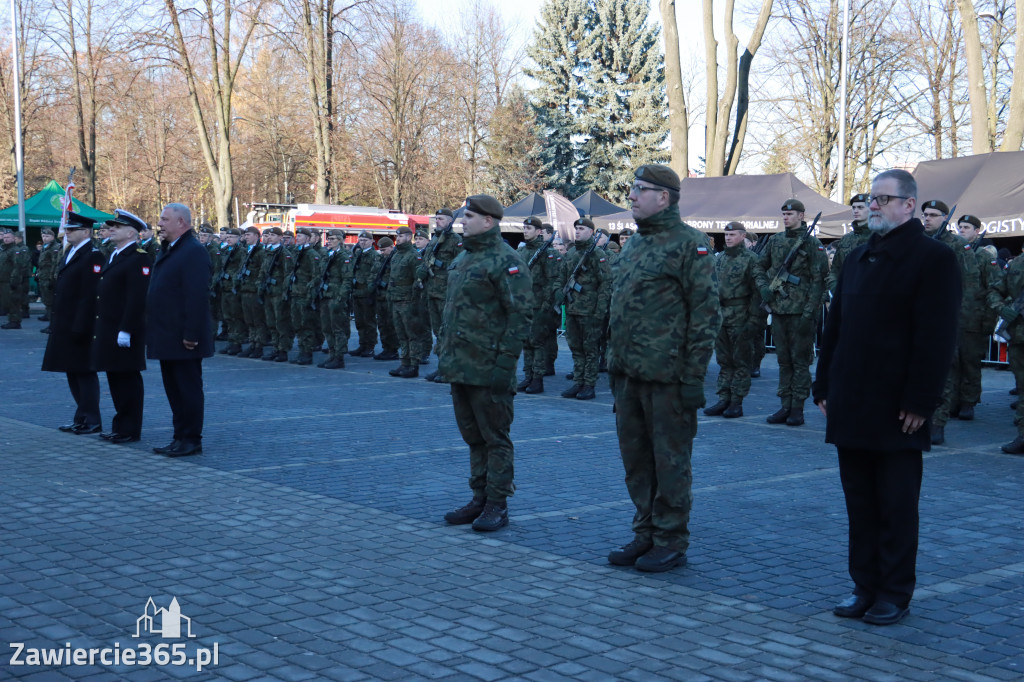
307	541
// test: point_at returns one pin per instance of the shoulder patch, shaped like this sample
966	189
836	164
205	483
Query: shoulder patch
141	251
967	247
97	268
145	270
821	247
514	270
702	250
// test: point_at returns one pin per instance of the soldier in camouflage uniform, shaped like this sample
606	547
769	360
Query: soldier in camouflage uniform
385	320
858	235
302	265
406	314
795	309
271	291
46	270
149	242
15	269
441	251
740	278
247	282
232	255
544	266
486	317
664	321
366	263
551	341
332	290
210	241
420	240
1010	288
102	240
586	303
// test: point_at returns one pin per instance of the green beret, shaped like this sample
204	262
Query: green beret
794	205
336	234
533	222
860	198
306	231
252	229
365	234
584	222
232	231
613	247
485	204
385	242
970	220
46	230
421	234
445	211
658	174
735	226
206	228
935	205
404	229
275	230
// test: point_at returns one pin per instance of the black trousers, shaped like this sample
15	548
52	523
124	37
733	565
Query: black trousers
882	489
128	393
183	383
85	389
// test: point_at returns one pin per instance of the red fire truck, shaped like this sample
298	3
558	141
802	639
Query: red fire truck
352	219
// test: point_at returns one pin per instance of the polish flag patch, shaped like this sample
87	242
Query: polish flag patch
821	247
97	268
514	270
702	250
145	270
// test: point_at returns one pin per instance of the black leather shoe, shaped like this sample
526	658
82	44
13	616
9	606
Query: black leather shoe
185	449
660	559
68	428
779	417
853	606
884	613
628	554
85	429
717	409
966	412
586	393
108	436
44	330
424	361
167	448
1015	446
493	517
734	410
122	438
467	513
572	391
938	434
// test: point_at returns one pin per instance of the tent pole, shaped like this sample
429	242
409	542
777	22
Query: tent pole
19	156
842	102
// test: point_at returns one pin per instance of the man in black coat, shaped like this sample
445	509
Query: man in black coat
179	329
119	341
887	346
71	324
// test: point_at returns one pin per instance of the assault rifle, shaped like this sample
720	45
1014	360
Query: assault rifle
1001	331
292	278
243	272
542	249
429	258
573	287
783	276
322	289
378	280
223	274
945	224
268	280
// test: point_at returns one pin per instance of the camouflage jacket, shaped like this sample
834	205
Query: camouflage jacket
982	297
302	263
151	246
230	262
544	271
847	243
214	249
49	259
740	278
15	266
250	264
381	275
403	273
810	266
439	254
365	265
664	308
593	281
272	270
487	313
334	278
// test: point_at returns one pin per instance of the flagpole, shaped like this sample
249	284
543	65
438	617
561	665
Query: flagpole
842	101
19	157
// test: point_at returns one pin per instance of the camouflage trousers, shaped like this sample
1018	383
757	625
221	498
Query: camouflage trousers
408	321
757	348
279	322
367	318
231	314
386	326
971	352
254	318
584	334
46	291
485	420
11	301
733	353
950	395
435	311
656	441
426	337
337	327
794	346
306	324
216	305
543	330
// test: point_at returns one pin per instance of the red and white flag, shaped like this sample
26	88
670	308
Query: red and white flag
65	203
561	214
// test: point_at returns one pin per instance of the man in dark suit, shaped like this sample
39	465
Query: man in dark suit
119	341
887	346
179	329
71	324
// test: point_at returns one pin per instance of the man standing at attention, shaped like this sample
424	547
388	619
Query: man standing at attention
664	321
179	329
885	352
486	317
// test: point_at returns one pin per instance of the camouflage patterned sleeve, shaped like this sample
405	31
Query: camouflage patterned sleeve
515	289
604	289
994	279
700	291
837	265
819	271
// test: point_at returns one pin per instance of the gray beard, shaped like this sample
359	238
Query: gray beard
880	225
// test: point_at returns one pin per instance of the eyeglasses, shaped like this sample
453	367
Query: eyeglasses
642	188
883	199
932	215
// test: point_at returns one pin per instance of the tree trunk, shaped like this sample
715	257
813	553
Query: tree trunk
679	126
743	95
712	166
1013	137
980	138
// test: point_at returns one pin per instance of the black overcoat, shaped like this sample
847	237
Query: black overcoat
68	347
889	339
178	306
121	307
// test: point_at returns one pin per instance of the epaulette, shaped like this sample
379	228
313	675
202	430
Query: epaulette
140	250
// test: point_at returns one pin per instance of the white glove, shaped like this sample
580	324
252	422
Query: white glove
124	339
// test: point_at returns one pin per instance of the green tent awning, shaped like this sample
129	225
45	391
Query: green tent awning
43	209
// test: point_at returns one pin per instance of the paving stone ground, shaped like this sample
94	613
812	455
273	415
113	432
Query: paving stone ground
307	540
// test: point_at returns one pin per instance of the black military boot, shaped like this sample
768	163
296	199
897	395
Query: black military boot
439	379
779	417
536	386
1013	405
796	414
966	412
493	517
430	377
304	359
410	371
570	376
572	391
270	356
717	409
549	371
11	325
233	349
337	362
281	357
397	371
1015	447
586	393
385	355
527	380
466	513
628	554
938	434
734	410
1013	391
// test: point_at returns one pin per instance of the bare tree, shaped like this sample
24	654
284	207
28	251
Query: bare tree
678	116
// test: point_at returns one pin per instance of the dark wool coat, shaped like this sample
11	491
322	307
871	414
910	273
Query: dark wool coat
68	347
178	307
889	339
121	307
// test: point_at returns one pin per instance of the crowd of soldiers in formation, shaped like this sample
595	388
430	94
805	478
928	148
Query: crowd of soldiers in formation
272	288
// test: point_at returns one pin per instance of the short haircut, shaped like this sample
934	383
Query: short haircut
183	211
548	228
906	181
673	197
